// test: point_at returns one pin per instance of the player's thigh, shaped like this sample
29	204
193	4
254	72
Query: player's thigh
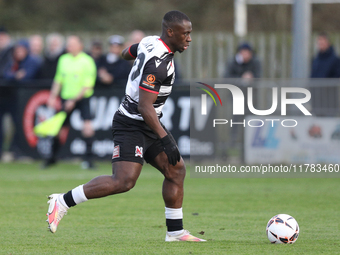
127	157
156	156
156	150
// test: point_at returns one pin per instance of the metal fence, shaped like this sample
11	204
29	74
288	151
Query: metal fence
209	52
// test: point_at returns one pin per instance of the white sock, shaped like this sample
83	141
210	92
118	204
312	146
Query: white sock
173	213
79	195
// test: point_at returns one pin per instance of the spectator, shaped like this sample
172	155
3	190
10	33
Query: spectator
55	48
23	66
5	50
36	43
96	51
325	64
112	68
8	100
244	65
247	67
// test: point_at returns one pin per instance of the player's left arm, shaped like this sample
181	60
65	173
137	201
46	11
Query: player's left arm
130	53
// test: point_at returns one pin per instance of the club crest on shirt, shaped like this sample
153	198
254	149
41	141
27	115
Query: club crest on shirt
150	78
116	153
139	152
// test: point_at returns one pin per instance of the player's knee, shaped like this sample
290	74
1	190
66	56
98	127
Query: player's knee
121	185
127	184
181	170
175	173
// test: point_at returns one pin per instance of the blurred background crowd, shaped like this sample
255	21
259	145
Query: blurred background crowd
36	57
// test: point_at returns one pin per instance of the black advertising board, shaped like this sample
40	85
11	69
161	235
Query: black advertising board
32	110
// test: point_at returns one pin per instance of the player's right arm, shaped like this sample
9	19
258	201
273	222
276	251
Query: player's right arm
146	109
149	86
130	53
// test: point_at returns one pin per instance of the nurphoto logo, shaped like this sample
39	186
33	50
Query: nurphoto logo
238	99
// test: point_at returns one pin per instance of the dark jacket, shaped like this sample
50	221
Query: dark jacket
5	58
236	70
29	64
326	65
49	66
119	69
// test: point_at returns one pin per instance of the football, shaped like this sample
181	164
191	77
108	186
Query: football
282	228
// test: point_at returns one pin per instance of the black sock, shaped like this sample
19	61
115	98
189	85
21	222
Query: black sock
69	199
174	225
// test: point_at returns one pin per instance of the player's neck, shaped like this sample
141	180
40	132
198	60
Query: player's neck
166	41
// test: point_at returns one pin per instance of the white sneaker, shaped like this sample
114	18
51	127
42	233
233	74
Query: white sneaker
185	236
55	213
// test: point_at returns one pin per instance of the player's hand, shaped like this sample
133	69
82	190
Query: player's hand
171	150
69	105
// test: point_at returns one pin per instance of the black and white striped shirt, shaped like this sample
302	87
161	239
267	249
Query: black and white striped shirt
152	71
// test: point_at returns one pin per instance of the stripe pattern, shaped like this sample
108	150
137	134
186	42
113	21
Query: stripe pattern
153	71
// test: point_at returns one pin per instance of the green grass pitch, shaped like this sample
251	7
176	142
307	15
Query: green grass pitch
232	213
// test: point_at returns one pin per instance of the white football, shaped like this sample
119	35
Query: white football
282	228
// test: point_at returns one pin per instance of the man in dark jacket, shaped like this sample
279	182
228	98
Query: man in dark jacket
326	63
244	65
55	48
111	67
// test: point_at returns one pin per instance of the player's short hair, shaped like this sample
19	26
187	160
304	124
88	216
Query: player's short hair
174	17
